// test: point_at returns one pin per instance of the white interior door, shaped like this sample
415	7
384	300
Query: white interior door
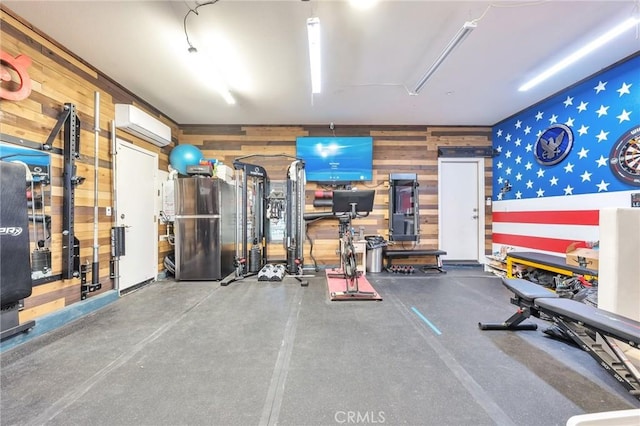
136	174
461	210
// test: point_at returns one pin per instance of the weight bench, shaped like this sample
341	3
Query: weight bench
592	329
389	255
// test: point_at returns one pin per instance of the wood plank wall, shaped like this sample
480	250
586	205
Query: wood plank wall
59	77
419	154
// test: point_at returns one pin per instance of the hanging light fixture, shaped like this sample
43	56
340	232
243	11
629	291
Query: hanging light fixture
580	53
455	42
313	32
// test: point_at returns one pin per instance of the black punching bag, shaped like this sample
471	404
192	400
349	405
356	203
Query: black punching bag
15	267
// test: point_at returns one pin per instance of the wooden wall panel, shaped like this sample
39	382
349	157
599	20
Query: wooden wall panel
419	154
59	77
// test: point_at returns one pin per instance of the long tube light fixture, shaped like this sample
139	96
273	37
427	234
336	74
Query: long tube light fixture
580	53
313	32
455	41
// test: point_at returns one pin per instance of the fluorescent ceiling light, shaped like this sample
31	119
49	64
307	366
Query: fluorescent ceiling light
205	69
455	41
313	31
363	4
578	54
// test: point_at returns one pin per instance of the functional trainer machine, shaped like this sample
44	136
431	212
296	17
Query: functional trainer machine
593	330
260	203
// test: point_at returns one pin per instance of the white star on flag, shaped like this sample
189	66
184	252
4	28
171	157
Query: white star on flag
624	89
602	161
518	195
569	122
568	168
600	87
553	119
539	115
602	186
540	173
527	130
540	192
583	130
602	136
529	184
528	166
586	176
624	116
518	124
602	111
582	106
583	153
553	181
568	190
568	101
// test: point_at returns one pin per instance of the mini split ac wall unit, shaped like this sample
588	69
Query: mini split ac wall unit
137	122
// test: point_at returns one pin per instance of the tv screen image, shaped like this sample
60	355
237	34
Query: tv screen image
336	159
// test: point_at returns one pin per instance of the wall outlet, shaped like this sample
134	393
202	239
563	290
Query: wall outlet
107	211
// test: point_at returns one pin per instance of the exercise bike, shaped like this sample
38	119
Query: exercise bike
348	261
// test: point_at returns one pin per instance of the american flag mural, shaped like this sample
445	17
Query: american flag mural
562	160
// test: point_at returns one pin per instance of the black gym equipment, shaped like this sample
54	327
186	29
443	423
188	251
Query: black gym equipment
349	205
594	330
404	211
15	266
68	118
259	204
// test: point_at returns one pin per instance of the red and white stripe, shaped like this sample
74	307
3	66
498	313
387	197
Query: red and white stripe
549	225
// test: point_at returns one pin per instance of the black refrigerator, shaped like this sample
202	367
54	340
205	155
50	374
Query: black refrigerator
204	228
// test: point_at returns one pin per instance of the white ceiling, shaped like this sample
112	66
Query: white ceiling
372	58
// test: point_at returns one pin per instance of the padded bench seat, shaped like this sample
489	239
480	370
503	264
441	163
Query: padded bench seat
527	290
608	323
404	254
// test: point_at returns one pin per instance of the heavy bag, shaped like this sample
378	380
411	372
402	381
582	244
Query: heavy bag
15	266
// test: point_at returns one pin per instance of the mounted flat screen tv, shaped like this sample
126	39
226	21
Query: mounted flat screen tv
336	159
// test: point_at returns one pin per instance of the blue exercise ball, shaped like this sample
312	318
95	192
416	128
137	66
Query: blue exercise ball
184	155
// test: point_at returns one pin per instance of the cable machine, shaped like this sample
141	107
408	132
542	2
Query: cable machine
296	225
260	204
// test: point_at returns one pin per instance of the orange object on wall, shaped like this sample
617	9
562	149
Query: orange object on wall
19	64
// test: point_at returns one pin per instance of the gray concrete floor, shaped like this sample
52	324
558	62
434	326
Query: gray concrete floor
256	353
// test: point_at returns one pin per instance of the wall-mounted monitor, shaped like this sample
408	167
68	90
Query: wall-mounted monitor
336	159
